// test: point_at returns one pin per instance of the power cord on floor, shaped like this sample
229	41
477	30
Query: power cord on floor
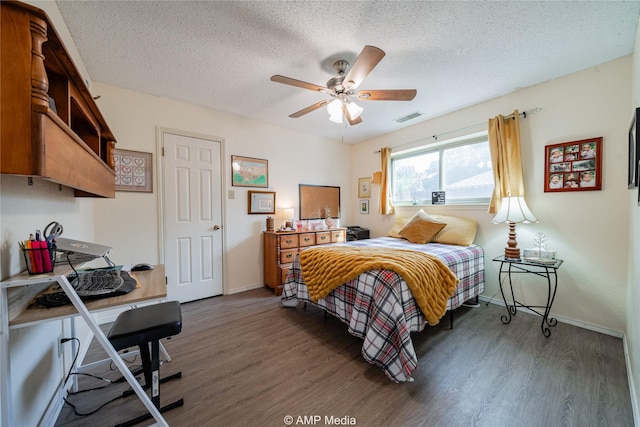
86	414
75	359
110	382
491	299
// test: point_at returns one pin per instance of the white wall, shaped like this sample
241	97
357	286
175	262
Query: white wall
129	222
633	294
586	228
36	370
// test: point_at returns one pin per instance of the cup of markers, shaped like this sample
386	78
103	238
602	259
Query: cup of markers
39	254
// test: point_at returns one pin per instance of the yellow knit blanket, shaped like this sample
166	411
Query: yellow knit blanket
430	280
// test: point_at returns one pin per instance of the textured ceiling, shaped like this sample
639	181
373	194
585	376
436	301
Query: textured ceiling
456	54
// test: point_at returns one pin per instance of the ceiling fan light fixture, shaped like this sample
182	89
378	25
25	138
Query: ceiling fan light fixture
344	85
334	108
354	110
336	119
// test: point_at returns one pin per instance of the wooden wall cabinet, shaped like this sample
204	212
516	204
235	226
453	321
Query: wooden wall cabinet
50	124
281	248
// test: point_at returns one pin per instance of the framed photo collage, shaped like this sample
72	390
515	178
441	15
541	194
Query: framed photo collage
574	166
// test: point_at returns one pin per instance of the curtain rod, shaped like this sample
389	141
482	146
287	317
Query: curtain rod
435	137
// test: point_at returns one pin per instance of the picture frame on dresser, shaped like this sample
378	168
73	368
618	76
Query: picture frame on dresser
573	166
261	202
634	151
318	201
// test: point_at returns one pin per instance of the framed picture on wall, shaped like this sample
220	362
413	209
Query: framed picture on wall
262	202
364	206
364	187
573	166
249	172
133	171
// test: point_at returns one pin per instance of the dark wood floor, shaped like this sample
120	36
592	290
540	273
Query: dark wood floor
247	361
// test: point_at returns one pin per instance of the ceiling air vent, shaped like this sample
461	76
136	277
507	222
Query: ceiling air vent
409	117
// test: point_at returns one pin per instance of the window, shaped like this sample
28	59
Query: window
460	167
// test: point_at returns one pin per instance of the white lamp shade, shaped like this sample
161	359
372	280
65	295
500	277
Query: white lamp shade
354	110
514	209
334	108
336	118
288	213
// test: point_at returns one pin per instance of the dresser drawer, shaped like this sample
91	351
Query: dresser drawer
283	273
307	239
288	255
289	241
338	236
323	237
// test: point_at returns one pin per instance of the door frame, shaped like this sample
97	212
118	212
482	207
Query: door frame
160	132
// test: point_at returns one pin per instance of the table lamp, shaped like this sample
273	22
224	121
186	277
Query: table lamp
513	210
288	217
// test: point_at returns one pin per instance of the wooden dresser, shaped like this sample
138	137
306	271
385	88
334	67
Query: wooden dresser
281	248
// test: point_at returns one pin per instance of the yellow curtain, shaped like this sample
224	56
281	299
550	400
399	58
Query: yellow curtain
506	158
386	203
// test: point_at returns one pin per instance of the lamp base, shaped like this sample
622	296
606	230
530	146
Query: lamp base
512	253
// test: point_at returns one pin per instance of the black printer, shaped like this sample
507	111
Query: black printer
357	233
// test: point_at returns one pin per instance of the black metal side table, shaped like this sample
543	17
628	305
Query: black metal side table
549	271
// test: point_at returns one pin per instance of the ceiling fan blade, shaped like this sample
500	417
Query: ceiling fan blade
387	95
309	109
352	122
366	61
298	83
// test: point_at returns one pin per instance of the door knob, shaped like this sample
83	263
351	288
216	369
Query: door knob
216	227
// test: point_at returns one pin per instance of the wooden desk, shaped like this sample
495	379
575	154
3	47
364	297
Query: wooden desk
152	286
17	294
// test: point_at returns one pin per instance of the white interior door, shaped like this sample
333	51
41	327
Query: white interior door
192	216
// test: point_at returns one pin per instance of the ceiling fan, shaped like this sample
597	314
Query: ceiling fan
344	86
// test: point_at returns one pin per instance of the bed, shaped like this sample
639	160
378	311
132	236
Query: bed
379	307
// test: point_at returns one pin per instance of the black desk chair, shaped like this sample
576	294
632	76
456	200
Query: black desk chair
143	326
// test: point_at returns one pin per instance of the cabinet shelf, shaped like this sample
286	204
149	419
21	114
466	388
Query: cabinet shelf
51	125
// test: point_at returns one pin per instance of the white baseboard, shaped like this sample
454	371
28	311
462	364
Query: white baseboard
562	319
632	388
246	288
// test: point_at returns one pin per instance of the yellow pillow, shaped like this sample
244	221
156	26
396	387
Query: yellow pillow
459	231
401	221
421	228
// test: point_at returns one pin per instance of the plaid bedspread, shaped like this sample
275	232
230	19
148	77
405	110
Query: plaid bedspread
378	306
